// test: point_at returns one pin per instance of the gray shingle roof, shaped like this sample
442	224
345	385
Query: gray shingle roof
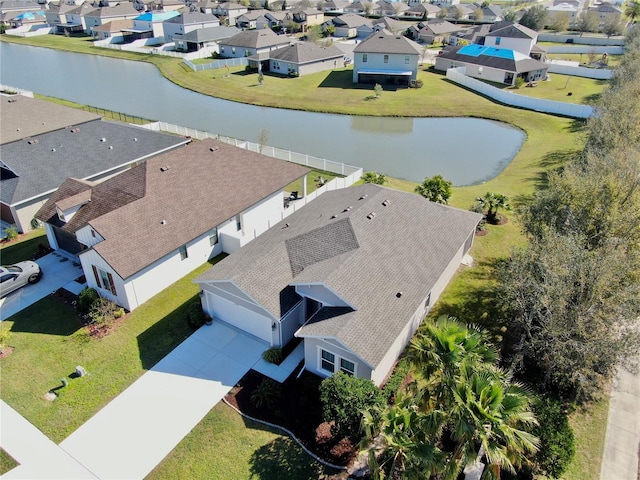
23	117
257	39
120	9
512	30
189	18
384	43
404	248
305	52
351	20
207	183
45	161
208	34
520	64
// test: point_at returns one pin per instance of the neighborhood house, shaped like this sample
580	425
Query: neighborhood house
353	274
138	232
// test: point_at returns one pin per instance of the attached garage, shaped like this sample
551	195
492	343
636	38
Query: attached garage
239	313
67	241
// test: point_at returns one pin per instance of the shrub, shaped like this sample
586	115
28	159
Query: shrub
273	355
377	88
267	394
395	381
86	299
344	398
557	446
5	335
374	177
103	311
519	82
479	208
11	232
195	315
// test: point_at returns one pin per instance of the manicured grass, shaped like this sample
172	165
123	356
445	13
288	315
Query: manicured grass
583	90
312	181
7	462
224	445
613	60
589	427
23	247
49	343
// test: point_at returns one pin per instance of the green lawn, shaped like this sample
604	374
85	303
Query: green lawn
23	248
583	90
312	181
225	446
7	462
49	343
612	60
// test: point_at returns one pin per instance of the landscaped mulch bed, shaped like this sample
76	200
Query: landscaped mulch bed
299	410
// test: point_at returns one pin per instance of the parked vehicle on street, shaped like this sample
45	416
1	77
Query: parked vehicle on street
13	277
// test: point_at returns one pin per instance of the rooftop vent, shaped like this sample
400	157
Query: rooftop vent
135	139
165	168
11	100
110	147
386	203
53	149
33	142
398	295
163	222
213	149
74	130
103	139
348	208
363	196
371	215
333	216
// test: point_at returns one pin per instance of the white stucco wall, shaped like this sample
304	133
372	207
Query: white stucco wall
312	348
522	45
375	61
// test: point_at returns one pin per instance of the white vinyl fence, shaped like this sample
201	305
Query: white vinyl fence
230	62
458	76
351	173
610	50
576	71
576	39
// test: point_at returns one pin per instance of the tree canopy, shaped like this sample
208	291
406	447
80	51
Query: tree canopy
435	189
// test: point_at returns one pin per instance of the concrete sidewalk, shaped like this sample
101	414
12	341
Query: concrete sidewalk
620	456
39	457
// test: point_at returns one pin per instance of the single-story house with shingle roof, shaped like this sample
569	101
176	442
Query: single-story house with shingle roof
112	30
305	57
253	19
353	274
347	25
492	64
202	37
46	143
140	231
436	31
386	59
252	42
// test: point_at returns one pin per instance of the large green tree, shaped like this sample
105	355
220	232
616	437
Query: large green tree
534	17
632	10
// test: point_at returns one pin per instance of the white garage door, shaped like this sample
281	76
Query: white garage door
240	317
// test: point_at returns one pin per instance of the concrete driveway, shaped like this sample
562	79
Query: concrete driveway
136	430
57	271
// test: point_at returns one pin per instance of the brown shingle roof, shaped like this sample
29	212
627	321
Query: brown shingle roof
206	183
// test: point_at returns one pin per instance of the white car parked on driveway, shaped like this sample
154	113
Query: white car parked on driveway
13	277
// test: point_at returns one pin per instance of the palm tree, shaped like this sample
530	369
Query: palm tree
492	202
489	419
436	189
632	11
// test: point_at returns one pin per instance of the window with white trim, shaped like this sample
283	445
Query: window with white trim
347	366
328	361
332	363
364	58
104	280
406	59
213	237
386	59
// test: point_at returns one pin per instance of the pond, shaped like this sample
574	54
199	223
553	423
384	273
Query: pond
464	150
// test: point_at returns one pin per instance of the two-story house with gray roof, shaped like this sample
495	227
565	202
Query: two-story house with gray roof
353	274
188	22
386	59
138	232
